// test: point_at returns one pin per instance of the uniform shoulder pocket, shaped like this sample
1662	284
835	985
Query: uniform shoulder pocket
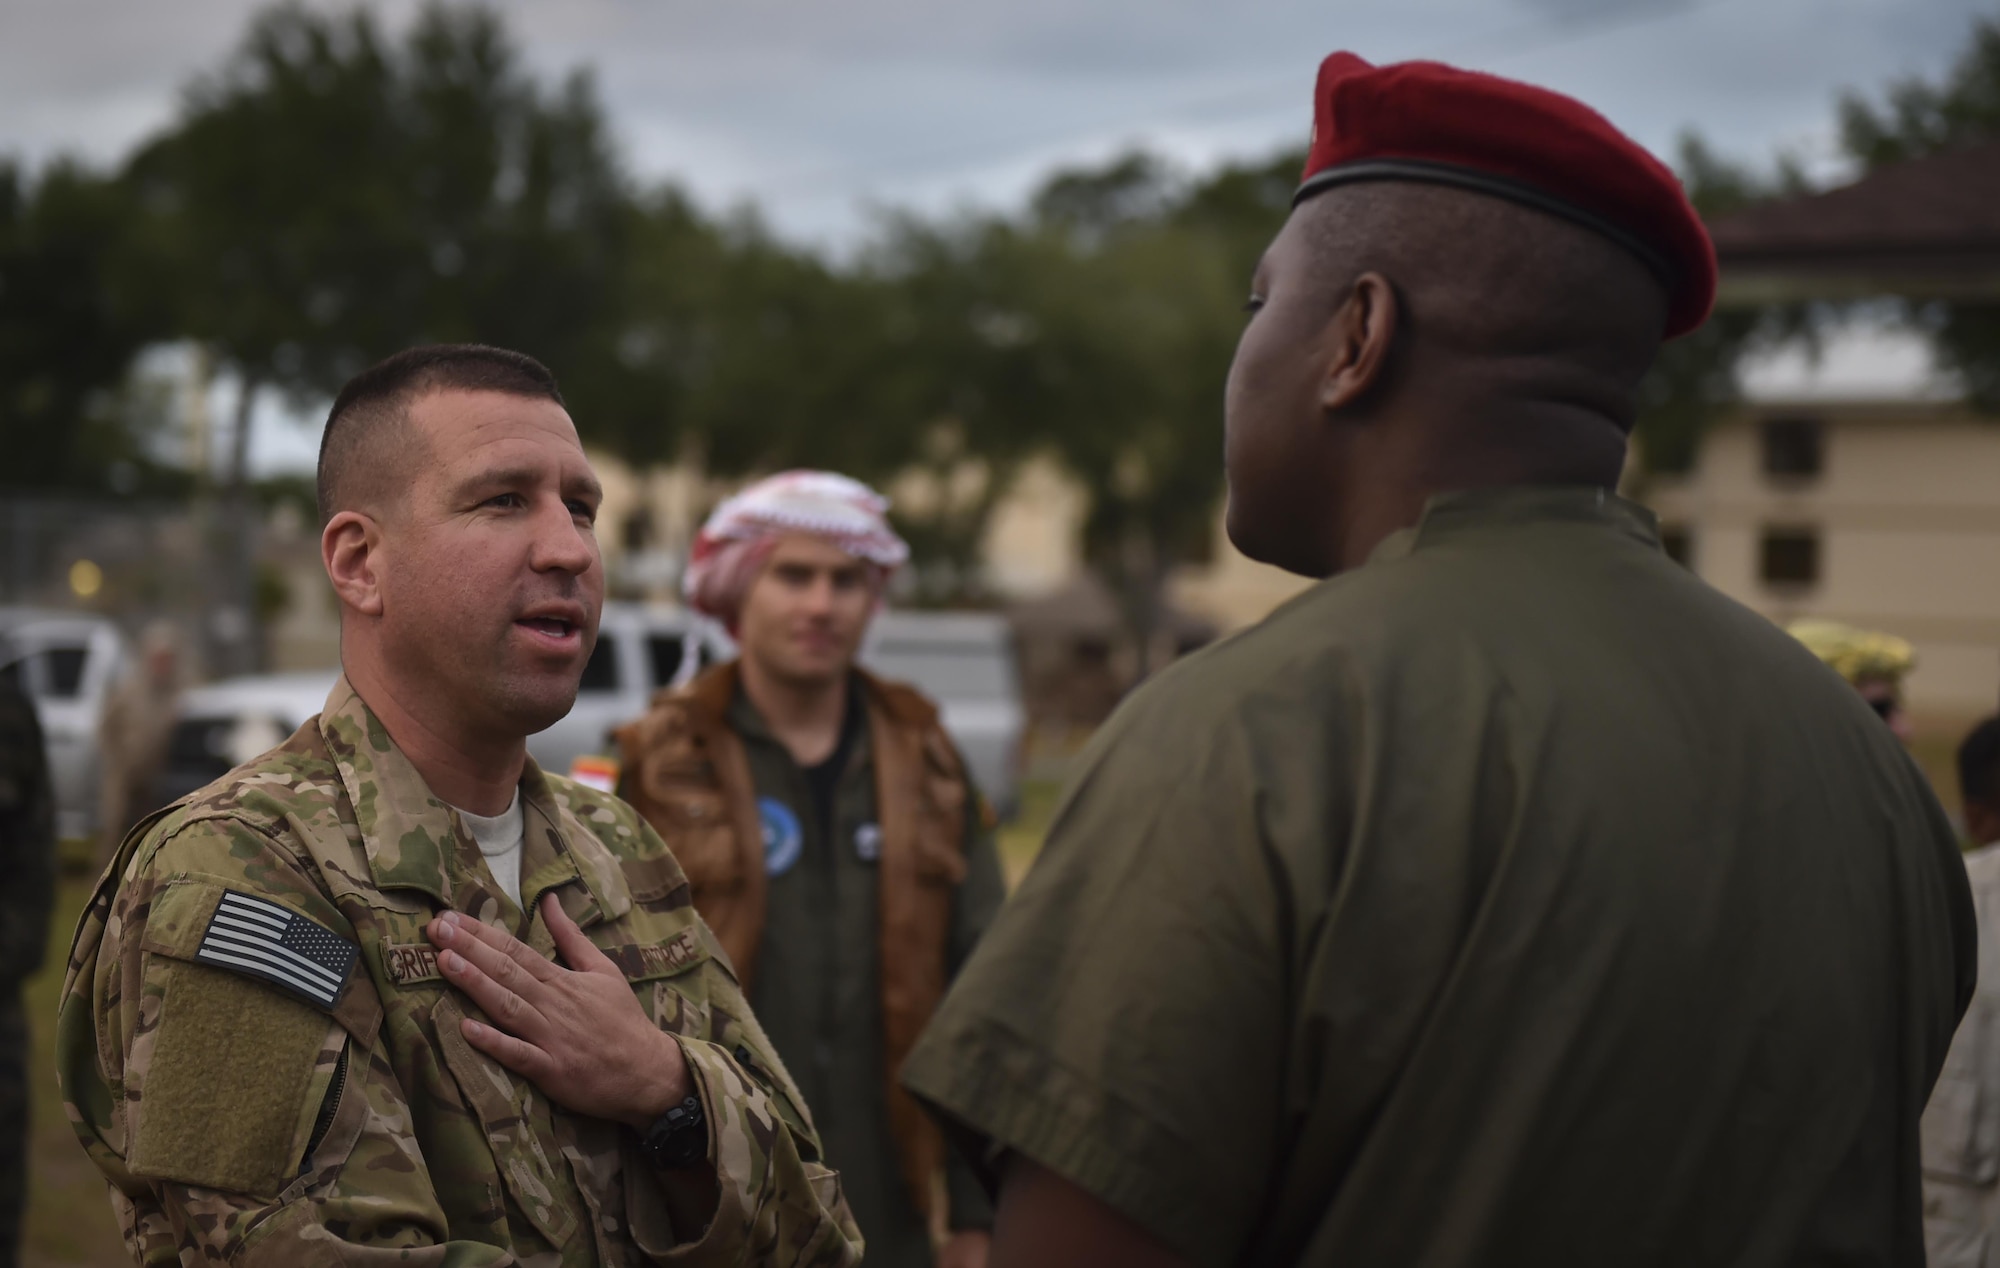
243	1003
220	1077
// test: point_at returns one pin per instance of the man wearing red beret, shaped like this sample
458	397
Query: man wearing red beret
1510	896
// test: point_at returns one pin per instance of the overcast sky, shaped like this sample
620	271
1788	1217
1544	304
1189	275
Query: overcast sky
818	110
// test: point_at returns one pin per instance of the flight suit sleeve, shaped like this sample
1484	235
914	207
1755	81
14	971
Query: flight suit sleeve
974	905
235	1122
1123	1022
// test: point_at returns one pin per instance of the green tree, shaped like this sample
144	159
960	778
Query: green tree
328	197
70	323
1695	377
1164	267
1096	326
1915	119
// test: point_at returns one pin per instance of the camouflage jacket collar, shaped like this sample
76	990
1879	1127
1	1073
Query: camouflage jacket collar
415	841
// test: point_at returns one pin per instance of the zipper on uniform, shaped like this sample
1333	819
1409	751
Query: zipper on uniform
327	1109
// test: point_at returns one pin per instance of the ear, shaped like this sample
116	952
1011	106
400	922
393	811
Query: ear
1358	341
350	547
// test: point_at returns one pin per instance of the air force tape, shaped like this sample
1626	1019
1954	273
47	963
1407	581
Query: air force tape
263	939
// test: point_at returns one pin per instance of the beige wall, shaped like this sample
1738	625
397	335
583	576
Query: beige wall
1908	513
1031	545
307	634
675	498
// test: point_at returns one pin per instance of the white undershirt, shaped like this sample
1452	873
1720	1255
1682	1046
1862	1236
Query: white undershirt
499	839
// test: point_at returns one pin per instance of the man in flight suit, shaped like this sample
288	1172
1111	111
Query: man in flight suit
1510	896
260	1044
833	838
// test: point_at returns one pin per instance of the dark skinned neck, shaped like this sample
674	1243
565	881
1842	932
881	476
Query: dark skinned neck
1398	466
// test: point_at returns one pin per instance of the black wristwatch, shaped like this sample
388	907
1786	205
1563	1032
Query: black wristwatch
678	1139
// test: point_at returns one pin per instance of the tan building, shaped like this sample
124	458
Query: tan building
1853	486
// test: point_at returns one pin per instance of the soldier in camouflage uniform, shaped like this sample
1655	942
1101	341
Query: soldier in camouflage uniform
261	1046
27	864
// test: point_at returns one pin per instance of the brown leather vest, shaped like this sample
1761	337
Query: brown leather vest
685	770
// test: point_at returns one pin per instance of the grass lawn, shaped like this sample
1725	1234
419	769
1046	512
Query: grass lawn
69	1215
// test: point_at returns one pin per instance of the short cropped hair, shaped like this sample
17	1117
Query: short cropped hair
1979	765
365	430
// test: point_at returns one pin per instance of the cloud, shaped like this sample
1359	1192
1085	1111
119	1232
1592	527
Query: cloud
1584	10
819	110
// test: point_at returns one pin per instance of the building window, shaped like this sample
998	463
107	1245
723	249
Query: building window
1794	448
1677	540
1790	557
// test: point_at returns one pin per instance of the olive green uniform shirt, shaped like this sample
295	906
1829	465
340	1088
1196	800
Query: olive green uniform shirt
818	989
1514	898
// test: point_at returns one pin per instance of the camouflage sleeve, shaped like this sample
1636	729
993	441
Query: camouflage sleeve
776	1202
235	1123
27	837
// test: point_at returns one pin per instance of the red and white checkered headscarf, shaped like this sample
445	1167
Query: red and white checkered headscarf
732	546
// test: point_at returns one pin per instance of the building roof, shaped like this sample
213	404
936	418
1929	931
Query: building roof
1926	227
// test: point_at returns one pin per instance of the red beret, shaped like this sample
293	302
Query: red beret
1425	121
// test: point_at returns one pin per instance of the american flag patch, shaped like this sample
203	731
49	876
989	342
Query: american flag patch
263	939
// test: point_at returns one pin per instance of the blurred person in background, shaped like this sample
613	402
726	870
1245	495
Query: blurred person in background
1873	663
1962	1121
133	734
27	887
1510	896
833	838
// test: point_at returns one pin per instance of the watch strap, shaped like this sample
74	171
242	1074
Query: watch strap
678	1139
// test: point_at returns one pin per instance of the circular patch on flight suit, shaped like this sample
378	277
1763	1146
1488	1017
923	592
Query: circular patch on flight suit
782	838
868	842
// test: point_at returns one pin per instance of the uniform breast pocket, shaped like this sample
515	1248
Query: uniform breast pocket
664	978
512	1124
